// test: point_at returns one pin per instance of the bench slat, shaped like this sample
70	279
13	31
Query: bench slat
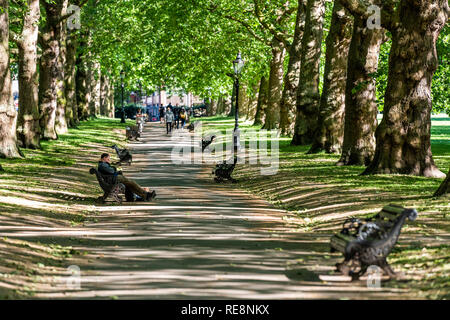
339	241
391	212
393	209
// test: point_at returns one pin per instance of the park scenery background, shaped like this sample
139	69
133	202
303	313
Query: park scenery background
358	92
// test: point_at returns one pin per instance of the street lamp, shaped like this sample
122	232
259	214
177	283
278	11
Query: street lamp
238	65
122	77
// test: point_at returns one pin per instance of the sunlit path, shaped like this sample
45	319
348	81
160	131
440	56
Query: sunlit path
198	240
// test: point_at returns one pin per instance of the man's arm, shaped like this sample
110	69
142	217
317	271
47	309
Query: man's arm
105	168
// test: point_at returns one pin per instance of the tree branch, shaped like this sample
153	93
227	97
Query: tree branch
280	36
14	37
214	9
68	15
249	29
360	8
286	13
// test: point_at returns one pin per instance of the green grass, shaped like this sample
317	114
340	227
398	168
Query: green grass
51	187
321	196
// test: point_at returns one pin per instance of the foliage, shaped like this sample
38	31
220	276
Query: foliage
440	84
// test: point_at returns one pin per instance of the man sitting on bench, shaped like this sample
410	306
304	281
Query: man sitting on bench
111	173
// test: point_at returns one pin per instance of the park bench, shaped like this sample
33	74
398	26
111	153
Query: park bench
132	132
112	191
223	170
368	242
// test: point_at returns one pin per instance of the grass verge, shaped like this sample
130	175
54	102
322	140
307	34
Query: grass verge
319	196
49	188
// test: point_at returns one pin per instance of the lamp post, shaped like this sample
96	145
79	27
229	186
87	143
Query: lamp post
238	64
122	77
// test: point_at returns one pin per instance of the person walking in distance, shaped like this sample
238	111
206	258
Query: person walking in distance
161	113
183	118
140	120
169	117
176	116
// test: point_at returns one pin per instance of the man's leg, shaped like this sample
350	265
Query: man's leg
133	186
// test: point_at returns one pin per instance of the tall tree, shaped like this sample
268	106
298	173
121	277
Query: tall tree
330	130
82	90
262	101
28	128
8	115
70	80
444	187
252	102
288	105
61	124
308	96
360	95
104	95
48	70
269	23
403	138
272	112
111	109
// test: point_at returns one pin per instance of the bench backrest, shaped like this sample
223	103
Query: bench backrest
107	187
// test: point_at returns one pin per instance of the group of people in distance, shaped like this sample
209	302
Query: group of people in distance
173	116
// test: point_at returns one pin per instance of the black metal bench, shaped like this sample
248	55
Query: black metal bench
224	170
112	191
132	133
367	242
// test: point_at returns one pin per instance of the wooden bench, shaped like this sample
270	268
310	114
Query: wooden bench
367	242
112	191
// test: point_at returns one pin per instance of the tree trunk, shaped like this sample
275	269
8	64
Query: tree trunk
330	131
49	70
403	137
444	188
82	94
243	100
111	108
105	96
8	115
252	102
262	101
212	110
272	111
93	86
70	81
96	88
220	106
28	128
227	106
308	96
291	80
360	95
61	125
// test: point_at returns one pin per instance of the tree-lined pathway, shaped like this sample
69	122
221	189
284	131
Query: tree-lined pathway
198	240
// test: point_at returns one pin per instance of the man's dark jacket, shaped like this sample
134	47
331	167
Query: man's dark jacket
108	172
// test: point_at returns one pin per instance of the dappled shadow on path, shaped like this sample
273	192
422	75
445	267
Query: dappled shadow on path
197	240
